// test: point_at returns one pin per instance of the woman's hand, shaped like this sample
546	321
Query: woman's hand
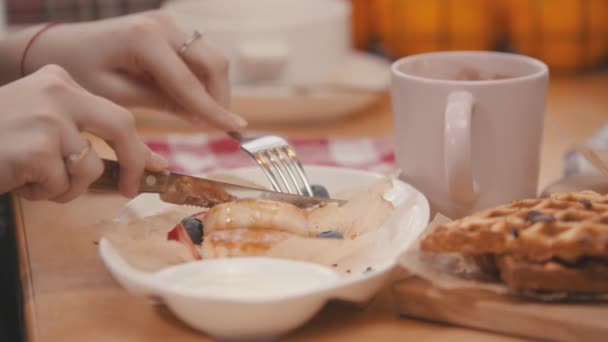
136	61
42	117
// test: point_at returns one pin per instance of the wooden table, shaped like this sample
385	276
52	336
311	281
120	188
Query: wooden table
69	296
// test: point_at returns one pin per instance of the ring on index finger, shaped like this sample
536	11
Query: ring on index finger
196	35
73	159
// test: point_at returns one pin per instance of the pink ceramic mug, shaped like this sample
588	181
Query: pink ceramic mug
468	127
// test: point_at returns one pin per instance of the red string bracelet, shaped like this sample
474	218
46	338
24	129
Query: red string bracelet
32	40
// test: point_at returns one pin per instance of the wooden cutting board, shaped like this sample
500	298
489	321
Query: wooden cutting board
485	310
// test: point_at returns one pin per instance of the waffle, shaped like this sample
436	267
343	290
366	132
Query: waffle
587	276
567	226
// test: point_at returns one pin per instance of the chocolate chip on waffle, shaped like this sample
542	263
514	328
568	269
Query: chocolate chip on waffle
566	226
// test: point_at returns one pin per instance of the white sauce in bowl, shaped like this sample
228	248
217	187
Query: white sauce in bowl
247	279
251	287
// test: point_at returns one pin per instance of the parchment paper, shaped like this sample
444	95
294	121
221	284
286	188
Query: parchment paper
372	223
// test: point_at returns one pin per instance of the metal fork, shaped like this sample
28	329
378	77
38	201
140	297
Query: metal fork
278	161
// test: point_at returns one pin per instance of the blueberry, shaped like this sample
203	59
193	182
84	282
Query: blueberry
319	191
536	216
194	227
330	234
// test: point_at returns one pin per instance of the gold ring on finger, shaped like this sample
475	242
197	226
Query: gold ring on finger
195	36
73	159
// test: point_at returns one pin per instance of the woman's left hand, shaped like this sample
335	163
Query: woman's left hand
137	61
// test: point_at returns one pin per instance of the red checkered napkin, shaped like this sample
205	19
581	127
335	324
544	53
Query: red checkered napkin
194	154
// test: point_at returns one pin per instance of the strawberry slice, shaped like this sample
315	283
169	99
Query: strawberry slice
179	234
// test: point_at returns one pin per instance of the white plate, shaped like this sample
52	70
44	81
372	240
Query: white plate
364	77
235	317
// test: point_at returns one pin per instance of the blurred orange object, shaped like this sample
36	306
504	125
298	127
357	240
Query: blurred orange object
361	23
412	26
568	35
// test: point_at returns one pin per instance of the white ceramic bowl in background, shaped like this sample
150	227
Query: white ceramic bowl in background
276	45
279	41
277	312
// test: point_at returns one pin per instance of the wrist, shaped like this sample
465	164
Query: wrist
11	49
22	67
15	49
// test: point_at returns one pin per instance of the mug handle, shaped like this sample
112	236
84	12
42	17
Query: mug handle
457	148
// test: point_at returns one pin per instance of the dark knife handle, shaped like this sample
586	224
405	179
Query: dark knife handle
109	179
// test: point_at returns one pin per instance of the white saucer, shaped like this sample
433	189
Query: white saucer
354	86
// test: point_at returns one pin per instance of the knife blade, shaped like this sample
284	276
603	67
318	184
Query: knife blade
189	190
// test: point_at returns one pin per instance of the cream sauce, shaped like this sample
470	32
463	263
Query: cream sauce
252	286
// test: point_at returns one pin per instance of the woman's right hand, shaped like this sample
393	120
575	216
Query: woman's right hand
40	125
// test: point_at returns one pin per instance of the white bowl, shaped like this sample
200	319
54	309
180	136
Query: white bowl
283	41
239	297
271	313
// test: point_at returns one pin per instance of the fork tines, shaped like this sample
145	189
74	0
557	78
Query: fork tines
279	162
284	170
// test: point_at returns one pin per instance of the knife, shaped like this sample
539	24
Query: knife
189	190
